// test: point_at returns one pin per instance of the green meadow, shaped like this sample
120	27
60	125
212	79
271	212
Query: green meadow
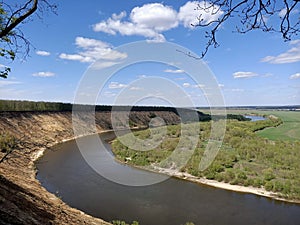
288	130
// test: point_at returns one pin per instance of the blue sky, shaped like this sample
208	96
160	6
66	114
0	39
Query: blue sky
252	69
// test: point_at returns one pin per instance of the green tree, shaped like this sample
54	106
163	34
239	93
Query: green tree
7	144
12	39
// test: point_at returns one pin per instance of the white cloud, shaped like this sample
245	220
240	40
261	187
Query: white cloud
75	57
43	53
189	85
142	76
155	16
135	88
237	90
43	74
244	74
290	56
294	42
87	43
8	82
186	85
199	86
295	76
120	16
173	71
116	85
190	12
109	94
93	50
150	20
114	25
282	12
104	64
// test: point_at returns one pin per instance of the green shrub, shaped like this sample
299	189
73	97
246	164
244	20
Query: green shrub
269	186
121	222
269	174
7	142
257	182
242	175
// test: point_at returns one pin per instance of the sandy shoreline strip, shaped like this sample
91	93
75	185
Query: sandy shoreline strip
222	185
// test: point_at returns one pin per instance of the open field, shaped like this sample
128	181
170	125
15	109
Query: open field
289	130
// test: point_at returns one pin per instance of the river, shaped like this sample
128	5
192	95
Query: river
63	171
255	118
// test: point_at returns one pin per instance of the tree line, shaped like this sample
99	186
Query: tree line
32	106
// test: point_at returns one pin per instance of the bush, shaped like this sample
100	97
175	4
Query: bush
121	222
249	182
269	186
269	174
241	175
278	186
7	142
257	182
219	177
210	174
229	176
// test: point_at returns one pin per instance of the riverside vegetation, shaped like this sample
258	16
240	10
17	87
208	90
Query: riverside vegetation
245	158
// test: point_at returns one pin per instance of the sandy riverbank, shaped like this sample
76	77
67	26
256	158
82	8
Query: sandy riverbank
222	185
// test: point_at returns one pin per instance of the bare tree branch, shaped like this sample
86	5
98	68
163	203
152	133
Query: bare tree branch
12	23
13	41
253	15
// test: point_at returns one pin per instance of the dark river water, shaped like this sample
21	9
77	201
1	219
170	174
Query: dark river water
64	171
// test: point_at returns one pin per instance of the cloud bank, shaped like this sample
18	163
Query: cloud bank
43	74
151	20
290	56
244	74
92	50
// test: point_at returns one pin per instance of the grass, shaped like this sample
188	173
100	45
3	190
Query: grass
289	130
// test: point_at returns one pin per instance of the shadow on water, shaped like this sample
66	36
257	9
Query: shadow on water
64	171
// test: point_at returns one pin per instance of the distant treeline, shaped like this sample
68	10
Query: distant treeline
30	106
286	107
237	117
26	106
